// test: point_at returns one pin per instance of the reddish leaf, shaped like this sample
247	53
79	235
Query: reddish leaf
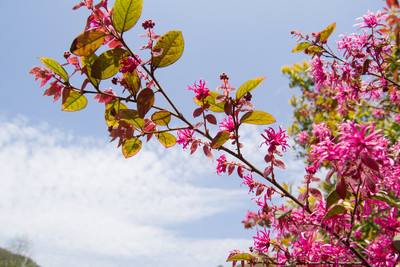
369	162
211	119
197	112
145	101
267	171
207	151
194	147
228	108
240	171
231	168
341	188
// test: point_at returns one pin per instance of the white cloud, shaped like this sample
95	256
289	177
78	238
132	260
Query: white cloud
81	204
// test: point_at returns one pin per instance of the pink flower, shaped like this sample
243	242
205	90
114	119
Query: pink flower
129	64
185	137
221	164
275	139
318	73
227	124
107	97
397	118
249	181
41	74
378	113
200	89
321	131
262	241
371	20
302	137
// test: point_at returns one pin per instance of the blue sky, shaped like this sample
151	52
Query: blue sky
73	195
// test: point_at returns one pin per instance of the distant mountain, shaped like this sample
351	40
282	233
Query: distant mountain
9	259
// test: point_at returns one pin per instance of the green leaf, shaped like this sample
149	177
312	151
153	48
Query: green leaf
108	63
133	82
131	116
313	49
240	257
87	43
335	210
166	139
332	198
220	139
73	100
383	196
161	118
131	147
248	86
55	67
171	46
87	63
325	33
257	117
300	47
211	100
126	14
145	101
112	111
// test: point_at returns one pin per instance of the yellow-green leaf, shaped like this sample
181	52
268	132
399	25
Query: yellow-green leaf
87	43
131	147
111	113
211	100
126	14
240	257
87	63
335	210
248	86
108	63
55	67
133	82
73	100
131	116
257	117
300	47
332	198
166	139
162	117
325	33
220	139
171	46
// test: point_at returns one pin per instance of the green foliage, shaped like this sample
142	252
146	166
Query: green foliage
211	100
300	47
335	210
131	147
73	100
248	86
108	63
87	43
257	117
220	139
171	46
9	259
166	139
133	82
126	14
325	33
55	67
161	118
87	63
240	257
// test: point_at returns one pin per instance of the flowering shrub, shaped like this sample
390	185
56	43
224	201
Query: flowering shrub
346	123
